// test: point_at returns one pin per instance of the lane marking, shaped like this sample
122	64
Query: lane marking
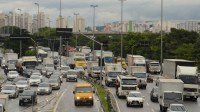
147	104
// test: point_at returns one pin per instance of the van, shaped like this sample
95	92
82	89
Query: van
83	94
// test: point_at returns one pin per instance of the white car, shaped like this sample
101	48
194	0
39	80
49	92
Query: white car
22	85
12	75
35	80
134	98
177	108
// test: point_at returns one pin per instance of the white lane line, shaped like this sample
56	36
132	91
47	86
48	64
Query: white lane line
147	104
152	110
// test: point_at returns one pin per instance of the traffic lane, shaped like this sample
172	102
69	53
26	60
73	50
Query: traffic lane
67	101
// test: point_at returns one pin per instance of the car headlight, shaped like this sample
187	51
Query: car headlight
77	98
38	89
90	97
109	79
47	90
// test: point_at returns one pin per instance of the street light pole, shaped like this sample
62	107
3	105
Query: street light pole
20	42
37	16
76	14
161	36
20	21
60	35
94	6
122	30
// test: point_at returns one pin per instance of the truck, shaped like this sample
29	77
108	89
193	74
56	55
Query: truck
11	58
111	73
47	61
153	67
125	84
93	69
107	58
140	73
186	71
169	91
85	49
3	103
121	61
77	59
136	60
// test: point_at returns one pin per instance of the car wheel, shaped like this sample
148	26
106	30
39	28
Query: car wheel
91	104
75	103
141	105
127	104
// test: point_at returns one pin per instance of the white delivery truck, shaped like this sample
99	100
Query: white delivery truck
186	71
85	49
140	73
136	60
93	69
111	73
11	58
48	61
3	103
125	84
169	91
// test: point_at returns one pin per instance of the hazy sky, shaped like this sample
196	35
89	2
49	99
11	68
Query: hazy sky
109	10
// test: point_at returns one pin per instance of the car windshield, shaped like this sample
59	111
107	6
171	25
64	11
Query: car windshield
134	95
22	82
35	77
28	93
72	73
80	59
113	74
96	68
178	108
83	89
36	74
53	81
140	75
8	87
128	81
12	72
65	68
43	85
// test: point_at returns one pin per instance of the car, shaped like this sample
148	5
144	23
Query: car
11	75
176	108
58	73
83	94
72	75
80	69
54	84
44	88
154	94
28	97
134	98
56	77
11	90
27	72
44	71
64	70
49	71
17	79
35	80
22	85
11	67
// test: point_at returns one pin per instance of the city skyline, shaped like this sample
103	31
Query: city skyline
108	10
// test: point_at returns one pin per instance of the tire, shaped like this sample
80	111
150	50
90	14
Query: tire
91	104
141	105
161	108
75	103
127	104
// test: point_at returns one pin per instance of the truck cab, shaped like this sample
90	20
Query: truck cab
125	84
83	93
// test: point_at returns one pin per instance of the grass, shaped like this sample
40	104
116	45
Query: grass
102	96
1	78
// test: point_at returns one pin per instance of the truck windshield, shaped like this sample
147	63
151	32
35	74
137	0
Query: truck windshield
189	79
80	59
30	63
129	81
108	59
96	68
113	74
173	96
140	75
83	89
72	73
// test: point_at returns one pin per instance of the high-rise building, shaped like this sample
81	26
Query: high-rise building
63	23
79	24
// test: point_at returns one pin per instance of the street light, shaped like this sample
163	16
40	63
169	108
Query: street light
38	16
20	42
20	21
76	14
60	36
94	6
101	75
161	36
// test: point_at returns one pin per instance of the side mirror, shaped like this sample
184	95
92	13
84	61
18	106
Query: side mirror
73	92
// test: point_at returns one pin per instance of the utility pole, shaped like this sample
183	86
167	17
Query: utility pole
20	42
60	35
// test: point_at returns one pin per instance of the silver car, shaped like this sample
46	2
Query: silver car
11	90
72	75
44	88
12	75
54	83
177	108
22	85
35	80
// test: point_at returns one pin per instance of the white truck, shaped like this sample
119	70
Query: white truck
125	84
136	60
11	58
140	73
111	73
85	49
107	58
3	103
93	69
47	61
169	91
186	71
52	54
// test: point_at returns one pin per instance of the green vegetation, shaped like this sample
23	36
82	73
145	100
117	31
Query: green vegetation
102	96
1	78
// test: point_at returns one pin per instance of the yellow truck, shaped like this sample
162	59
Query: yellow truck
122	61
83	94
